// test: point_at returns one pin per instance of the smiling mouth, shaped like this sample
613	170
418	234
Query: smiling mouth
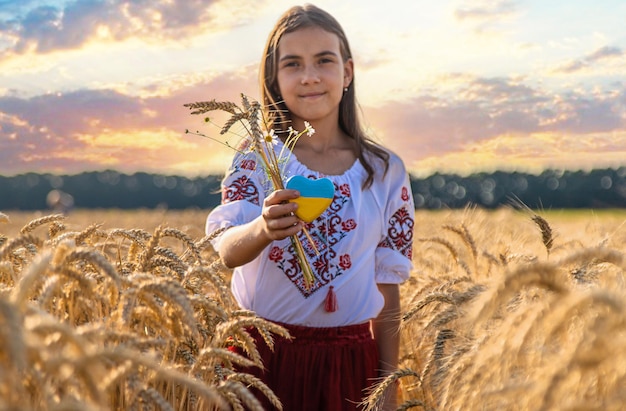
312	95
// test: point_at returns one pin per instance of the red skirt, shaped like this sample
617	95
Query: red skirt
320	369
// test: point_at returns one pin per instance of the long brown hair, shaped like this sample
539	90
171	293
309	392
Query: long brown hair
276	111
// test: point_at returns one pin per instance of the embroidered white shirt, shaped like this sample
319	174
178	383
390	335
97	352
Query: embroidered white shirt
365	237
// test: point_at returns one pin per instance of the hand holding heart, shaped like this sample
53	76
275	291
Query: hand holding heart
302	200
315	196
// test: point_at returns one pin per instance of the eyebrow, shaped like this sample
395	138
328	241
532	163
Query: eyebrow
320	54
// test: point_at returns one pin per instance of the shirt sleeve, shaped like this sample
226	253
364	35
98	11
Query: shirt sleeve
243	191
394	252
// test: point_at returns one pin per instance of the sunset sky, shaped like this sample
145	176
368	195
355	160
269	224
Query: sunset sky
454	86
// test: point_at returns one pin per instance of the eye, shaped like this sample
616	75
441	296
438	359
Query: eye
290	63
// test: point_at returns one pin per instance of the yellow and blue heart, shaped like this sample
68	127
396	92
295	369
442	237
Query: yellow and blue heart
315	196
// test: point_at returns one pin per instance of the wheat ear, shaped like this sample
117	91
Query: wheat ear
22	241
467	239
201	107
252	381
377	392
41	221
97	260
266	329
243	393
546	232
185	239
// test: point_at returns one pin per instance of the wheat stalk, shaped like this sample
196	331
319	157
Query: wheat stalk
467	239
260	142
55	228
266	329
186	240
377	392
95	259
546	232
86	233
41	221
201	107
25	240
251	381
540	274
531	337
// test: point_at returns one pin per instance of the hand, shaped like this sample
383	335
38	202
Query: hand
278	215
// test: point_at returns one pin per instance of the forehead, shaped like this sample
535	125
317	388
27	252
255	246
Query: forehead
308	41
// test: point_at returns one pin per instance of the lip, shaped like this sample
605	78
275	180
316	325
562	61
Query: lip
311	95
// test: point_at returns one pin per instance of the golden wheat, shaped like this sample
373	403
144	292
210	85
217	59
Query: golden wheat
114	324
530	333
141	318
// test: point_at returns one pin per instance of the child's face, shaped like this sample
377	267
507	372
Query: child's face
312	75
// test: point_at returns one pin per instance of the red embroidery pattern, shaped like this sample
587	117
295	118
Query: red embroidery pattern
276	254
344	189
344	261
248	164
241	188
400	233
322	265
348	225
326	231
405	194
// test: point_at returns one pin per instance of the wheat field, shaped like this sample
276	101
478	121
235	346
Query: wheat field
130	310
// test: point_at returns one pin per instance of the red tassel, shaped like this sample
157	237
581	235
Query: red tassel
330	305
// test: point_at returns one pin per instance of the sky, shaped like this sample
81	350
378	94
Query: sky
452	86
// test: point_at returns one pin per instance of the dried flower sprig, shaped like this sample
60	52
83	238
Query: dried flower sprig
262	141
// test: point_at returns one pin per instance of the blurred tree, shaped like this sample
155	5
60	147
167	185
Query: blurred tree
110	189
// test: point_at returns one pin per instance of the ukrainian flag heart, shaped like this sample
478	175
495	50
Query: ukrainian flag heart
315	196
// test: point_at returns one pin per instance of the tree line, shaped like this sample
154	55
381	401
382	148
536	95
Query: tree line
604	188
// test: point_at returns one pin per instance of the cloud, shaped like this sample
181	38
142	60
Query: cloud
95	129
533	153
491	120
486	109
46	28
603	53
75	112
588	114
486	10
480	109
485	14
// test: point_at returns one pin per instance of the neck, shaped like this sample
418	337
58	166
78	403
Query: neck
327	135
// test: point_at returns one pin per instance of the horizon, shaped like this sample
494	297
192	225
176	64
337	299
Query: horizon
620	170
601	188
457	87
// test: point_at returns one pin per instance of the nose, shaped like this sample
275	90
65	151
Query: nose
310	74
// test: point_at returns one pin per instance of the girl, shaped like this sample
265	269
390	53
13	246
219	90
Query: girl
345	326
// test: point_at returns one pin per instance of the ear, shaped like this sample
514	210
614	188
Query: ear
348	72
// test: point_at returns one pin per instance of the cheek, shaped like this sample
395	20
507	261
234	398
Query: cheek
286	88
281	84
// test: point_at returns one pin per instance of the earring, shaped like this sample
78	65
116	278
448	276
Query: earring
345	89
